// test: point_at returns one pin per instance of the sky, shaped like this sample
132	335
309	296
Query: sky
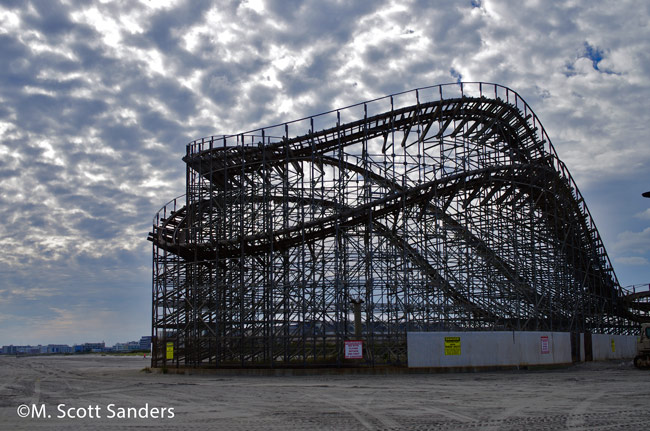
99	98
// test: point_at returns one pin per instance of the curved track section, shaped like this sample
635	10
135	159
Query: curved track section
637	300
443	208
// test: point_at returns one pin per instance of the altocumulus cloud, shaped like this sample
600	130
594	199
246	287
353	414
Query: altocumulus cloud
97	100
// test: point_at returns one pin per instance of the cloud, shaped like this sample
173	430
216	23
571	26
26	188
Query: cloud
645	215
633	242
98	99
632	260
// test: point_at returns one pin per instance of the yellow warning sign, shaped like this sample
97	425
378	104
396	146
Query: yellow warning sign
452	346
613	346
170	350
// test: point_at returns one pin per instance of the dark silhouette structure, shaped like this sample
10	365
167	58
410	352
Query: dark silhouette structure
442	208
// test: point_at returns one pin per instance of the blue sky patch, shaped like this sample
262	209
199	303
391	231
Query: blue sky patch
594	54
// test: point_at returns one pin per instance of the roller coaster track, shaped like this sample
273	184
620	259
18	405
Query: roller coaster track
465	192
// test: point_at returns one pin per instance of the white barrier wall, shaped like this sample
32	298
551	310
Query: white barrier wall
484	349
606	346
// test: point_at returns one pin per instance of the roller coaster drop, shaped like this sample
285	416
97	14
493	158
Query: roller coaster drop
442	208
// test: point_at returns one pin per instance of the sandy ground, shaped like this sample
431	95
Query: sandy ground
592	396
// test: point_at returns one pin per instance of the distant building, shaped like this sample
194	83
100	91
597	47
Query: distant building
23	350
58	348
133	345
145	342
125	347
89	347
120	347
9	350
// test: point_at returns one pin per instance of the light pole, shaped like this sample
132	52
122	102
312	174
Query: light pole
356	304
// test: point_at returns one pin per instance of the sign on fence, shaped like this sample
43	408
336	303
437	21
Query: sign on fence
170	350
544	344
354	349
452	346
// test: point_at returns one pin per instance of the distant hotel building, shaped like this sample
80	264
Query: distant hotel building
143	344
34	350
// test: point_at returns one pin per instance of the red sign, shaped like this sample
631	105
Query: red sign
544	343
354	349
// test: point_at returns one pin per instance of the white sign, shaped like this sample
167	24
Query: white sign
544	342
354	349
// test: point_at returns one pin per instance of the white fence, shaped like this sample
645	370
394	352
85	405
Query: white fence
606	346
509	348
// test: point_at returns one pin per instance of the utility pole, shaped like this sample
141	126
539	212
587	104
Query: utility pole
357	317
